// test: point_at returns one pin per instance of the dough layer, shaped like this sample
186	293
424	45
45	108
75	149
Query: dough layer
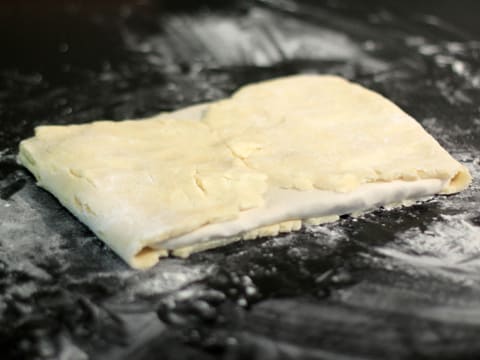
276	154
326	133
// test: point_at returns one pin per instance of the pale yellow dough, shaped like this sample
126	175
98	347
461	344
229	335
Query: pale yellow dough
309	132
140	183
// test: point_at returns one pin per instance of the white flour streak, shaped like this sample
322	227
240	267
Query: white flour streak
329	235
451	244
258	38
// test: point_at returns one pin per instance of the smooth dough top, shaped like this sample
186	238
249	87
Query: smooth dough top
138	183
324	132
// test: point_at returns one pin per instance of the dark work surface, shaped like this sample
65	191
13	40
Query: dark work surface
402	283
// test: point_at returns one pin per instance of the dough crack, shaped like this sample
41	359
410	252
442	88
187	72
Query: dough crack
237	156
77	174
199	183
83	206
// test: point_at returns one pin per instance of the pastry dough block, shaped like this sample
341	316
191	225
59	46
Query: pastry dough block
302	148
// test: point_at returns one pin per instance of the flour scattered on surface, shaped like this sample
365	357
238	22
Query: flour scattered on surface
450	246
167	276
453	243
258	38
327	234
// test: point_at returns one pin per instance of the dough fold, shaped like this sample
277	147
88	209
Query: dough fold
149	187
326	133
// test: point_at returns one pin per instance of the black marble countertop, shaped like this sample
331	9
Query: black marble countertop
396	284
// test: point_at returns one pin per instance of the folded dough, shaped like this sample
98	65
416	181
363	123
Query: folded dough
324	132
306	147
135	183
